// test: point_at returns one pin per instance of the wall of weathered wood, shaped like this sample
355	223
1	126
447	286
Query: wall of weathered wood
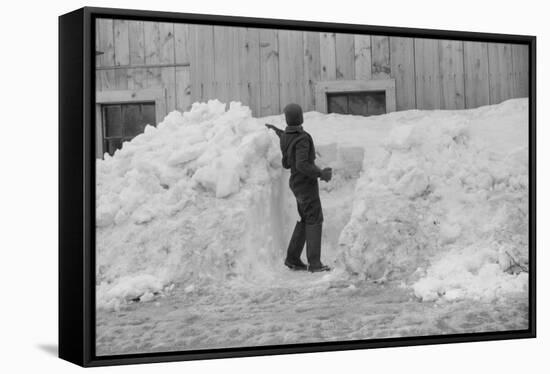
265	69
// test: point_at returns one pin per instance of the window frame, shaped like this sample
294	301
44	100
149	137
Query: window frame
322	88
156	95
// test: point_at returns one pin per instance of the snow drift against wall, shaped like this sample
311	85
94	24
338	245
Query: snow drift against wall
441	201
445	203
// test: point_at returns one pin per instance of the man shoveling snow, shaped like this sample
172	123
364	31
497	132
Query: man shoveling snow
298	153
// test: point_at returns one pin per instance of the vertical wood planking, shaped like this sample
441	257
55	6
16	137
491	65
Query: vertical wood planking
345	53
380	57
152	43
137	78
269	72
427	76
476	74
402	70
500	72
520	65
97	60
328	56
168	82
106	45
182	43
136	35
183	88
167	45
121	42
167	55
291	67
249	68
122	53
362	55
202	61
451	67
225	63
312	67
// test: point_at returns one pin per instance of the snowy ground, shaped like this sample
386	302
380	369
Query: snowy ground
297	312
425	224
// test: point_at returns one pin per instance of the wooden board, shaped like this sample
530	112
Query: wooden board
226	63
121	79
202	61
121	42
520	66
137	79
362	54
182	44
345	53
402	70
105	43
167	48
451	68
153	78
168	82
136	35
152	43
107	79
269	72
428	82
97	61
291	67
183	88
380	57
249	68
328	56
476	74
500	72
312	67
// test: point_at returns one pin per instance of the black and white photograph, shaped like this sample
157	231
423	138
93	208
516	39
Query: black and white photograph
263	186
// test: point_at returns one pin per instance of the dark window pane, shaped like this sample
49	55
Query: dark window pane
358	104
113	120
338	104
131	118
111	145
376	102
148	114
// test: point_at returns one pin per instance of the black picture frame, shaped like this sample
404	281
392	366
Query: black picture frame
77	186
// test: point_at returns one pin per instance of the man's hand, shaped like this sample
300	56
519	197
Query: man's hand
326	174
278	132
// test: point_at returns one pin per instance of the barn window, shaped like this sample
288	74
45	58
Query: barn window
122	122
366	103
359	97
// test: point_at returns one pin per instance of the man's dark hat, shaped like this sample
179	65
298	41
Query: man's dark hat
293	115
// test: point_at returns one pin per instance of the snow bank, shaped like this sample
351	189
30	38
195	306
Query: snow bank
440	199
188	201
444	201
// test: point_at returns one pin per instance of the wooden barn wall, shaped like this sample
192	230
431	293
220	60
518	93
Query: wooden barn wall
265	69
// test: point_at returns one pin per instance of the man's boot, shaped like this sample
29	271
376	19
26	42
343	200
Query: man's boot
313	238
295	247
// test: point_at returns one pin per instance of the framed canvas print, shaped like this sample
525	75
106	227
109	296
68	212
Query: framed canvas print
237	186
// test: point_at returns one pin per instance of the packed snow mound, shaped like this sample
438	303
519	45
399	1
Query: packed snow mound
189	201
438	199
445	202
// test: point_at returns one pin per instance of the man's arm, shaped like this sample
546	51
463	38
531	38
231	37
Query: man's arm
303	165
278	131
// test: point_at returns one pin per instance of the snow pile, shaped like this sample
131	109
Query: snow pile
436	198
445	202
189	201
